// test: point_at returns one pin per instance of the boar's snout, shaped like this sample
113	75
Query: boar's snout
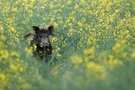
45	42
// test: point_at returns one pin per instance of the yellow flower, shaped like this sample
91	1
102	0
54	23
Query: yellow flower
2	37
30	13
51	5
117	11
89	51
32	0
21	69
95	71
69	2
15	54
116	47
4	54
14	10
76	6
9	21
1	28
133	55
114	63
55	25
2	77
29	50
70	32
24	0
76	59
80	24
13	67
59	55
13	29
3	81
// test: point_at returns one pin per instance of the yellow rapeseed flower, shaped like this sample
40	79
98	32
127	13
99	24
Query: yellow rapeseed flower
12	29
30	13
2	77
95	71
24	0
1	28
114	63
1	45
89	51
4	54
2	37
133	55
14	10
76	6
76	59
9	21
29	50
32	0
116	47
55	24
13	67
70	32
51	5
15	54
117	11
80	24
21	69
69	2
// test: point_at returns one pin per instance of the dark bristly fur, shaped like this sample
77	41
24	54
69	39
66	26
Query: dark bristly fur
42	42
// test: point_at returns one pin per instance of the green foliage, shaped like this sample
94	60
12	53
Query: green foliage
93	46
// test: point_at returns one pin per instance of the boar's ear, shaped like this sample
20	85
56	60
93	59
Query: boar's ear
51	30
36	29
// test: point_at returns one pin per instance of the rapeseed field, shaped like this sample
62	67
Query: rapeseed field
93	45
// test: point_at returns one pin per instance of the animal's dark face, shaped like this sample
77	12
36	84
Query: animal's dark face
41	37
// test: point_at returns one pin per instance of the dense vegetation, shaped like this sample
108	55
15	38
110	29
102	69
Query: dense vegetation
93	46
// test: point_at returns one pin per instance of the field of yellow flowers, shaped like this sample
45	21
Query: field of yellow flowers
93	46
